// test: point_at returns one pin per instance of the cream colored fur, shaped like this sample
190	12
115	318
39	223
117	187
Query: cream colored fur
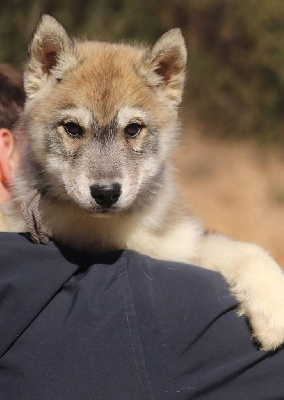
85	82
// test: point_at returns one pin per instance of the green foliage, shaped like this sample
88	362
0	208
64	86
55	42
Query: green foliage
236	50
237	66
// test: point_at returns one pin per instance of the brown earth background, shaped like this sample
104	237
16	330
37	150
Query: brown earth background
236	188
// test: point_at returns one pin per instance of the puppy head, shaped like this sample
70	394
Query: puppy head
102	118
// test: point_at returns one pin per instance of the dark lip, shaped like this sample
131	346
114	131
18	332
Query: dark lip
104	211
109	212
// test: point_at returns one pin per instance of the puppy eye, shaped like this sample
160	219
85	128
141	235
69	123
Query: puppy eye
73	129
133	130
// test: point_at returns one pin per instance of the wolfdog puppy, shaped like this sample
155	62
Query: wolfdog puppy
97	175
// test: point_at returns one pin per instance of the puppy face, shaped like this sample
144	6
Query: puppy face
101	117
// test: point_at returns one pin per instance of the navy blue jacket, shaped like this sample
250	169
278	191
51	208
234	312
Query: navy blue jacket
122	326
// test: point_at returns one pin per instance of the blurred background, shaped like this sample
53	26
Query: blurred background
231	159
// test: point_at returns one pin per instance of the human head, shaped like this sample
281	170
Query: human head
11	101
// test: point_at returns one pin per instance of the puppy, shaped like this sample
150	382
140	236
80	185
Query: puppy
97	175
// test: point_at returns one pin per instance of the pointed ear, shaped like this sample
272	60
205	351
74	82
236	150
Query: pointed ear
164	65
51	53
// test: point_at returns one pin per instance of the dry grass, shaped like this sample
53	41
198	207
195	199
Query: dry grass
235	188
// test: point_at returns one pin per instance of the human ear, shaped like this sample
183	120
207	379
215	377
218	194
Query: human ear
6	151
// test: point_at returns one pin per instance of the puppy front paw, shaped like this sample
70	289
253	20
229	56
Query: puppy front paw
263	304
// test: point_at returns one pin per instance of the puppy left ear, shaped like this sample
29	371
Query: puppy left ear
52	55
164	65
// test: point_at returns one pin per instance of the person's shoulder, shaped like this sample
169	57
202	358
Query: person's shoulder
179	283
11	237
20	244
171	271
173	281
21	257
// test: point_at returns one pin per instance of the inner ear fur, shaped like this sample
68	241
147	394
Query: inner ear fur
51	52
164	64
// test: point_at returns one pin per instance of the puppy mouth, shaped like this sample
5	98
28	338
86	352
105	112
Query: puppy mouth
104	211
109	211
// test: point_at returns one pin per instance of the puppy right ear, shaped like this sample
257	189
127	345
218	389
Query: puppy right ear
163	65
51	53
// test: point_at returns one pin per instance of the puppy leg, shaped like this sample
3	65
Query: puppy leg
256	281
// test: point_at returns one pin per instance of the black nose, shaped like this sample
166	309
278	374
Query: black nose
106	195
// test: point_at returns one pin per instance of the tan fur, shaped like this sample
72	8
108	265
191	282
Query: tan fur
103	88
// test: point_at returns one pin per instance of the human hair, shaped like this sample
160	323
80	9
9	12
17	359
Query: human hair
12	96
